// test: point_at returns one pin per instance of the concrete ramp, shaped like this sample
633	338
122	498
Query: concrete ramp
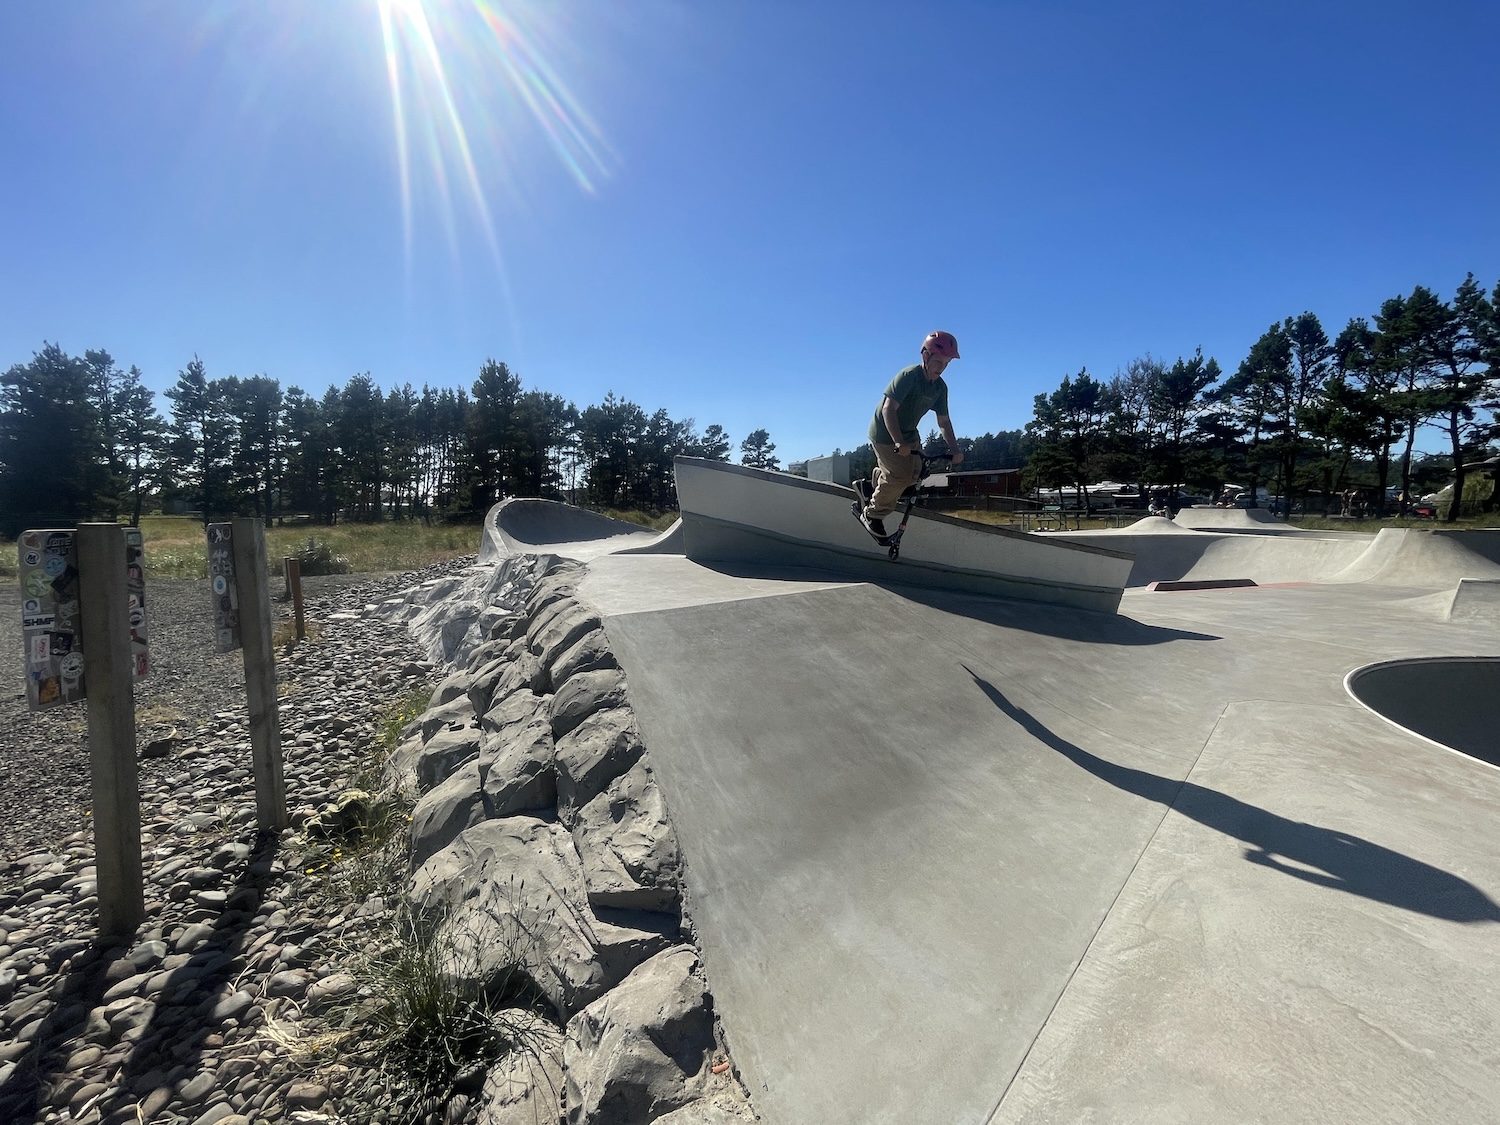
1413	557
1209	556
669	542
735	516
1257	520
1402	556
1475	599
525	524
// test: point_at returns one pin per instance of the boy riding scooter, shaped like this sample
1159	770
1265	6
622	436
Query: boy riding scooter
895	436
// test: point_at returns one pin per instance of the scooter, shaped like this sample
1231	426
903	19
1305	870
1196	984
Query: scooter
892	541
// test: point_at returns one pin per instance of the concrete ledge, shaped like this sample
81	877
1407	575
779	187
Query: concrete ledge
739	517
1200	584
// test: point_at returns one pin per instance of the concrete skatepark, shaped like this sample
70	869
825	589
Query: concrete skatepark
956	857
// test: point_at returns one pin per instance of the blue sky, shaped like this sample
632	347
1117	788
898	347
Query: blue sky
748	213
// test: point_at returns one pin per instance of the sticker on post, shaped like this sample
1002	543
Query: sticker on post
49	617
225	593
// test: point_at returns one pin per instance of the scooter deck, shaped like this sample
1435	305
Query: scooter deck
890	542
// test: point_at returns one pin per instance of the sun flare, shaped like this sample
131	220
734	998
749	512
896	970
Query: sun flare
468	80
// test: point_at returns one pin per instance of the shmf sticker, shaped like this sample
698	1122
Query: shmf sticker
49	617
222	588
135	595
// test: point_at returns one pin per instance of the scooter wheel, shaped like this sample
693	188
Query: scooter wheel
894	553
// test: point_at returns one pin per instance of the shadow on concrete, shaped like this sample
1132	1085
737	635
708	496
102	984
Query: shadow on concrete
1327	858
1063	622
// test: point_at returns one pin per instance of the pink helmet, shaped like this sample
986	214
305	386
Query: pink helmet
941	343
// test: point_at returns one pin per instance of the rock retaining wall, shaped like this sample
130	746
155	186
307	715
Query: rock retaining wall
541	842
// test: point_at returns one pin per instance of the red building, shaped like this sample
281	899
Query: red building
981	482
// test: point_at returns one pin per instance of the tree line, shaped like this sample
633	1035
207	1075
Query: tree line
1303	416
82	438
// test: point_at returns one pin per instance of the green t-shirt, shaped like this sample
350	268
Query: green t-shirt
914	396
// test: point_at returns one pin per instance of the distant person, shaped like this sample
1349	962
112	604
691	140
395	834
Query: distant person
894	433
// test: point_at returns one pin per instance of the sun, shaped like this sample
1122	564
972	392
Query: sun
466	77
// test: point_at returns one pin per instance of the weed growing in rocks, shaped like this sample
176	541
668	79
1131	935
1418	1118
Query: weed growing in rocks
430	1021
284	636
319	558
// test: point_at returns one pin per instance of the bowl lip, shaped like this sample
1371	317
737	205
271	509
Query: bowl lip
1354	675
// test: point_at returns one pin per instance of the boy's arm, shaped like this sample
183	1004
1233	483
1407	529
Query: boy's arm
945	423
892	420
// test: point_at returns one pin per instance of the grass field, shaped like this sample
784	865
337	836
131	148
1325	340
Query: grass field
176	546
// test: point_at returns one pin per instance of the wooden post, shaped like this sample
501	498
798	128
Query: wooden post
250	566
294	584
104	620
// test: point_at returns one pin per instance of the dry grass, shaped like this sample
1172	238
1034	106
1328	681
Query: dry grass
176	547
654	523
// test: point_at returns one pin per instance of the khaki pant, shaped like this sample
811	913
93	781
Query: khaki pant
892	475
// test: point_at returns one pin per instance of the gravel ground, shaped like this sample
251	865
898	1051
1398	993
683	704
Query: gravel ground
202	1015
44	755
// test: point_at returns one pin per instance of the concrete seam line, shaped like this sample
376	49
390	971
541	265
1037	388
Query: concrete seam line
1067	984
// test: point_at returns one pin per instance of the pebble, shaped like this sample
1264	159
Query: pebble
168	1026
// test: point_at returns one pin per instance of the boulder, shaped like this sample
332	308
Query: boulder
492	616
560	583
450	689
629	851
456	712
594	753
482	683
516	710
507	628
436	589
625	938
509	896
590	653
523	673
485	653
443	627
443	753
552	633
583	695
442	814
643	1050
525	1087
515	768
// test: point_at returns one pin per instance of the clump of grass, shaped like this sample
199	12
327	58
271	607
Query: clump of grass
284	635
430	1022
364	849
397	717
319	558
